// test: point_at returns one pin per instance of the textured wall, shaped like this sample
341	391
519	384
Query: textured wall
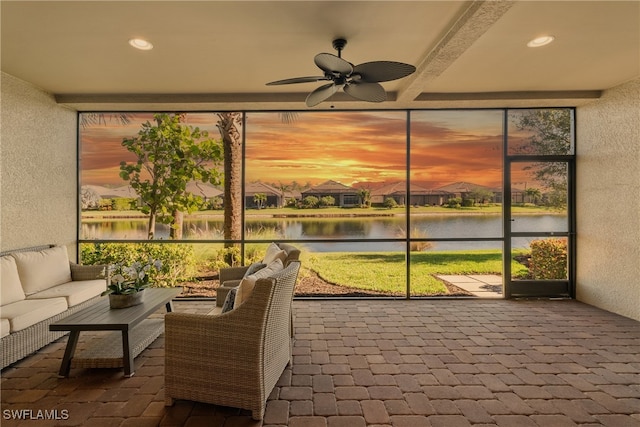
38	202
608	201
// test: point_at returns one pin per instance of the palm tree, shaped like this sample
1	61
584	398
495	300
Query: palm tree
283	189
229	125
259	199
533	194
88	119
365	197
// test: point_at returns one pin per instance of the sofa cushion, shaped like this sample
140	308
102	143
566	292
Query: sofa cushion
5	327
74	292
40	270
248	283
274	252
10	280
215	311
22	314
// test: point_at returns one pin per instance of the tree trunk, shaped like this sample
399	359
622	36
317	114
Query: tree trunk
152	226
229	124
176	227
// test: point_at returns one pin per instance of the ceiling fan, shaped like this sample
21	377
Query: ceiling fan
359	81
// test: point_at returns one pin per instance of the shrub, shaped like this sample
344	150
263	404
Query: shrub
310	202
548	259
178	260
327	201
123	204
215	203
468	203
416	233
454	202
390	203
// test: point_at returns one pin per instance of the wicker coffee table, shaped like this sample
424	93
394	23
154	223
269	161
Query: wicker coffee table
132	332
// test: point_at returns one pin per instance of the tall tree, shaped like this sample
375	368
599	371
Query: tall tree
260	199
533	194
230	124
550	134
283	191
364	194
170	155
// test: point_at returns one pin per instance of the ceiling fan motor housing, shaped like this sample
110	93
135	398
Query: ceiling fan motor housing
339	44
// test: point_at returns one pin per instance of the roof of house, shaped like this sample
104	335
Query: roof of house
203	189
400	187
260	187
124	191
330	187
464	187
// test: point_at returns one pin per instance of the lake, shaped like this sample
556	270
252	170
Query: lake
435	226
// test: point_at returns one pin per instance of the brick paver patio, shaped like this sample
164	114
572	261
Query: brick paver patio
433	363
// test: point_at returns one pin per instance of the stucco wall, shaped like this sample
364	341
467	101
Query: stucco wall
38	203
608	201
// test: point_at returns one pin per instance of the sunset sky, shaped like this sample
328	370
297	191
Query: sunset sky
349	147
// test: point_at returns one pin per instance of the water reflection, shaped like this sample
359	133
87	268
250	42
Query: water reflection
431	226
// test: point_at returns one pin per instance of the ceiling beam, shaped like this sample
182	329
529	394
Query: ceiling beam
472	24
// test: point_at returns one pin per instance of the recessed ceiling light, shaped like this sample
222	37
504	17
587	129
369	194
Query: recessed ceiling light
141	44
541	41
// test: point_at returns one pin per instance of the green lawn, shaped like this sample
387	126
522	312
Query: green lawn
386	272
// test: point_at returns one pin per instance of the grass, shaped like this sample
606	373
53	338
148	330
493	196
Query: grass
386	271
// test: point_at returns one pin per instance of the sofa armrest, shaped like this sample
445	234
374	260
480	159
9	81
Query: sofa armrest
232	273
88	272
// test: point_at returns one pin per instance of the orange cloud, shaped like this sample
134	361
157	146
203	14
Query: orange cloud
358	146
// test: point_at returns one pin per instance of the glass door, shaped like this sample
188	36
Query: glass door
539	230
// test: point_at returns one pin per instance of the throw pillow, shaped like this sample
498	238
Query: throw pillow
274	252
254	268
248	283
229	301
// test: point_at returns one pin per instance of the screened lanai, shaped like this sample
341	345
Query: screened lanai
505	187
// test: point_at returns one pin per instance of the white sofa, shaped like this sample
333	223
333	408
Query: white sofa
39	286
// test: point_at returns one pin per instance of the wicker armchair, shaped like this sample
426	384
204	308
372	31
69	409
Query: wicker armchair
236	358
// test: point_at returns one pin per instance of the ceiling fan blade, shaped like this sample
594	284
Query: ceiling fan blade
366	91
297	80
383	71
320	94
332	64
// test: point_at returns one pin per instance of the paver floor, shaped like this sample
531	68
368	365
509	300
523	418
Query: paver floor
381	363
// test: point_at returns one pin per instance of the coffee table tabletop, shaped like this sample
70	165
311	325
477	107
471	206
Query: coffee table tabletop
100	317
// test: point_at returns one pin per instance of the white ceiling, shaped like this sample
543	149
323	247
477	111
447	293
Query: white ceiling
220	54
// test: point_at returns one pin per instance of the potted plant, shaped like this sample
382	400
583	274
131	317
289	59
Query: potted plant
126	283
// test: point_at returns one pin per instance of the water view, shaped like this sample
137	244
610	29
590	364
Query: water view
434	226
